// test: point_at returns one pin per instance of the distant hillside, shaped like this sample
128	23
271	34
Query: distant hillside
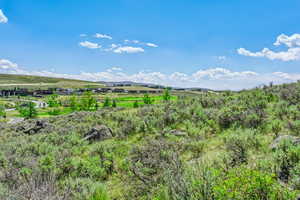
12	80
130	83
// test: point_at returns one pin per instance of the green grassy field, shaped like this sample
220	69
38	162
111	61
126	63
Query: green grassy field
122	100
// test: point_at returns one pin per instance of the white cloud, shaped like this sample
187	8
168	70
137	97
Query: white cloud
128	49
287	76
222	58
213	78
90	45
6	64
3	18
117	68
114	69
83	35
151	45
113	46
290	41
245	52
178	76
221	73
291	54
99	35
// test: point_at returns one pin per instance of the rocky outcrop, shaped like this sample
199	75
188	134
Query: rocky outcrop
294	140
33	128
177	133
98	133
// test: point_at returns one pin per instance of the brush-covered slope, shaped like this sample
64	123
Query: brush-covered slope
229	145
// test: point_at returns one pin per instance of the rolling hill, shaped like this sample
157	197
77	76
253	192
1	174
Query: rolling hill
12	80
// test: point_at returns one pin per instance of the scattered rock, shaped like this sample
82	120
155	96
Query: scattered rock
98	133
177	133
33	128
277	141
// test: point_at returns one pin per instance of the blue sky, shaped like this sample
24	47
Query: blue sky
208	43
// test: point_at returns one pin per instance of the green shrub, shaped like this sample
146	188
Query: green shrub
99	193
247	184
107	102
147	99
201	179
28	111
2	111
114	104
166	95
287	157
135	104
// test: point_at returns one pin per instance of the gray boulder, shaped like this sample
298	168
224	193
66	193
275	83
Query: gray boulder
294	140
98	133
33	128
178	133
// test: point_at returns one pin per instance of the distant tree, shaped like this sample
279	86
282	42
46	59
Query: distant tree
2	111
147	100
114	103
166	95
97	106
106	102
135	104
74	103
28	111
88	102
53	101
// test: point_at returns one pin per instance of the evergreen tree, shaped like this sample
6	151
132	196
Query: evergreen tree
2	111
53	101
114	103
106	102
88	102
147	100
29	111
135	104
74	103
166	95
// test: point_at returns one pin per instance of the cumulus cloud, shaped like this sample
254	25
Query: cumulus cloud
290	41
291	54
114	69
222	58
103	36
6	64
90	45
3	18
213	78
221	73
151	45
117	68
128	49
128	46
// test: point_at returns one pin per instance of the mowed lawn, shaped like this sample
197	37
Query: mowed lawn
129	100
121	101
